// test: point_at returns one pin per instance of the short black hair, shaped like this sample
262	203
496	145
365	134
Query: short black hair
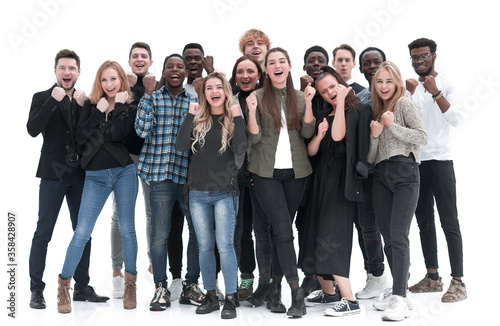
65	53
175	55
316	48
368	49
421	42
193	46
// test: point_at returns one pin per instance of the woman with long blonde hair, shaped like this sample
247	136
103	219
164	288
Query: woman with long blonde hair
105	121
396	135
214	132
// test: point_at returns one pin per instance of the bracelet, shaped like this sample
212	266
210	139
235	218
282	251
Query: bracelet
437	95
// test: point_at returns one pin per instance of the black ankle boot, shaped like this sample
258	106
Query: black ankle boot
274	302
257	298
298	307
229	309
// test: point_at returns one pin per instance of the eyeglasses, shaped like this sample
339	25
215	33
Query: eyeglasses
423	56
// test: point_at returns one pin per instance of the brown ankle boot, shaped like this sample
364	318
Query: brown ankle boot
63	298
129	295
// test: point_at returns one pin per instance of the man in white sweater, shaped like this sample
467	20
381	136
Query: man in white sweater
437	100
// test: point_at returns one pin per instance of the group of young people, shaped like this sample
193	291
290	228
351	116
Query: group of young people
251	152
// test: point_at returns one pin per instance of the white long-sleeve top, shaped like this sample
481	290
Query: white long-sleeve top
437	124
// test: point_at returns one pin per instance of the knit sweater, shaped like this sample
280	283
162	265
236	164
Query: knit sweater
210	170
404	136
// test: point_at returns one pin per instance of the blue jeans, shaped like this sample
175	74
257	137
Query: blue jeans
98	186
395	188
214	219
163	196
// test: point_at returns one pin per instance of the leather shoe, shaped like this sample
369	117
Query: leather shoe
37	300
87	293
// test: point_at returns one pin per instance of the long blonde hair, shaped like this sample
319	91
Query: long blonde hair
97	92
378	103
203	121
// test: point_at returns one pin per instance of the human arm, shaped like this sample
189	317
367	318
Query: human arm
145	120
338	124
183	140
42	108
313	145
410	127
253	129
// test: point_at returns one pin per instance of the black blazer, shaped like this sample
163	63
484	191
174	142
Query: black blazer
48	117
357	145
96	133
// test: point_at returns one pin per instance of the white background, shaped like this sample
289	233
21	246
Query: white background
34	31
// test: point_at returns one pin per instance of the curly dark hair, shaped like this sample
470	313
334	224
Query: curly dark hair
421	42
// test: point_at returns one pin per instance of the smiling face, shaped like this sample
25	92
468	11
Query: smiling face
326	88
257	48
423	67
110	82
214	93
194	59
174	72
314	62
247	75
278	68
384	85
67	73
370	62
140	61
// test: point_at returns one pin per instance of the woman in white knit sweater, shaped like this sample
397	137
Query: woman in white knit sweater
396	135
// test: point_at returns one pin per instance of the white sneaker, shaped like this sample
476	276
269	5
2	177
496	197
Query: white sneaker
384	299
118	286
175	289
397	309
374	287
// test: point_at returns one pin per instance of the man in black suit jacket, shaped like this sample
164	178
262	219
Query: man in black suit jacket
54	113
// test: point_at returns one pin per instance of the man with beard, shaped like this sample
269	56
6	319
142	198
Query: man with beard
159	116
437	100
54	113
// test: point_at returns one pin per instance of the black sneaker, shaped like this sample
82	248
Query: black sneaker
161	299
210	303
343	308
322	298
191	294
229	309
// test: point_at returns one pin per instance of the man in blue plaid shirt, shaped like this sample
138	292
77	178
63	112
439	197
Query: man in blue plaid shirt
159	116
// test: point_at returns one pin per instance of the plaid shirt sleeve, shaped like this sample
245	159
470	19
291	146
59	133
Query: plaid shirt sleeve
159	118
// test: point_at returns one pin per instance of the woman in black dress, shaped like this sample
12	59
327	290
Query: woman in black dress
341	143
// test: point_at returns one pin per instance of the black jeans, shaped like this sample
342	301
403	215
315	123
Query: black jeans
395	189
373	253
437	181
51	196
280	197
